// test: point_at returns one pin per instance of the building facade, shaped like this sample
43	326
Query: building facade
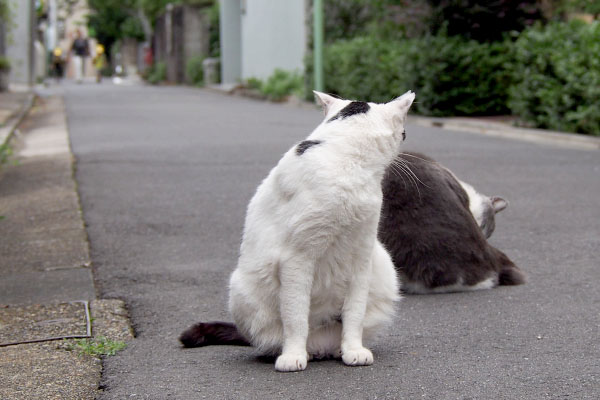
259	36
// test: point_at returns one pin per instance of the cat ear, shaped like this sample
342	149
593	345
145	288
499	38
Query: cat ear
499	204
324	100
398	108
404	102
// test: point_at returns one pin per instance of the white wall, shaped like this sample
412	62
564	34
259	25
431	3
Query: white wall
273	36
231	40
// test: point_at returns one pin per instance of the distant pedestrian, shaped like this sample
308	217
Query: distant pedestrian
57	63
99	62
80	50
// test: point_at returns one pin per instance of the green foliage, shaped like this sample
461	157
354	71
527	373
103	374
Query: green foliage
5	153
282	84
214	33
194	70
132	28
348	18
557	84
7	17
576	6
100	346
254	83
5	10
483	21
450	75
153	8
4	63
157	73
112	20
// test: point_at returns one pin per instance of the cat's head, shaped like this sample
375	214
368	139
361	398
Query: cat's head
369	129
484	208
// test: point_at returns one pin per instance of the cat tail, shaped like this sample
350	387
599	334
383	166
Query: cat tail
509	274
212	333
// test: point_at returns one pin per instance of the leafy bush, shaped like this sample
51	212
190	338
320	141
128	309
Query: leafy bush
450	75
455	76
157	73
4	63
194	71
483	20
254	83
281	84
557	84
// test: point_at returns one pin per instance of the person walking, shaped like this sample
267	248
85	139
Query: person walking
99	62
80	50
57	63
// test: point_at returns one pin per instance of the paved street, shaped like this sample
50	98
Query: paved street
165	174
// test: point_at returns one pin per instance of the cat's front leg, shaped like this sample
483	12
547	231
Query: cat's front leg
353	314
296	278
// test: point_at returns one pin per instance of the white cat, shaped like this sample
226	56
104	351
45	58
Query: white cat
312	279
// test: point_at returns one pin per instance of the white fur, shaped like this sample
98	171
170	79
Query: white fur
419	288
309	256
477	202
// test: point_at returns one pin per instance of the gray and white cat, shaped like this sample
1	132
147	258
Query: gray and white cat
312	279
435	227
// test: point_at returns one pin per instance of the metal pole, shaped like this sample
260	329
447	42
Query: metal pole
318	43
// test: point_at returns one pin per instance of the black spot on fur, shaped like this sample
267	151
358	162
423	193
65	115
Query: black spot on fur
212	333
356	107
305	145
404	134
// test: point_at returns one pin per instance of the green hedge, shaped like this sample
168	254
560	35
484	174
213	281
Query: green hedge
194	70
557	84
549	76
451	76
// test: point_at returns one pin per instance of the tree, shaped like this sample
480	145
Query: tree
112	20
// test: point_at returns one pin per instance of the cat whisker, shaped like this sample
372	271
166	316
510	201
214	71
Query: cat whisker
418	158
405	164
403	169
394	168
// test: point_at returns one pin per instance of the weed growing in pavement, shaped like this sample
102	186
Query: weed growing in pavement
5	153
96	347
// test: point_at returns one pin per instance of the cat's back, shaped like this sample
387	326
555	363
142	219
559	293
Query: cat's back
426	225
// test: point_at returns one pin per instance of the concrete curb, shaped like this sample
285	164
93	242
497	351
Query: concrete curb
9	128
497	129
473	125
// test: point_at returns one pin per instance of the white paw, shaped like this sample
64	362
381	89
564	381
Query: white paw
291	362
361	356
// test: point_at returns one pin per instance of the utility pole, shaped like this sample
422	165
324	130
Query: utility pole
318	43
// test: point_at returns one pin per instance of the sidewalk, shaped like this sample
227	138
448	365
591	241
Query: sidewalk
46	285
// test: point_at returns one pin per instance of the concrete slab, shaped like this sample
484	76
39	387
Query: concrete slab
42	321
44	258
47	286
44	255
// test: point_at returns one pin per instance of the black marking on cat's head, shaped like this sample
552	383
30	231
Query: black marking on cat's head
356	107
404	135
305	145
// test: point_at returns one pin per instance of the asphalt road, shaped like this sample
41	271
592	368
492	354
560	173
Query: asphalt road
165	174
